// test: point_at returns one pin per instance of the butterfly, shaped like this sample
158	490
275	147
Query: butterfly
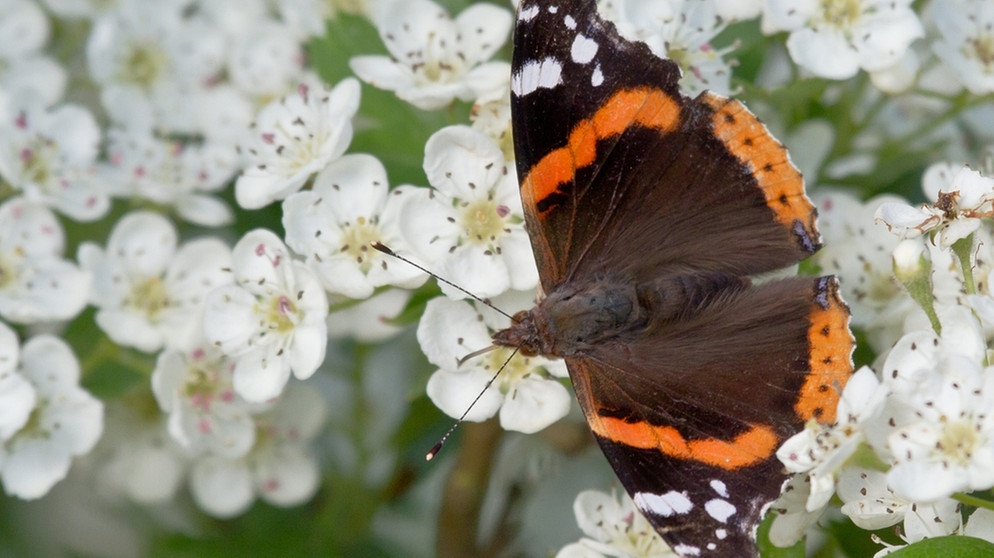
649	214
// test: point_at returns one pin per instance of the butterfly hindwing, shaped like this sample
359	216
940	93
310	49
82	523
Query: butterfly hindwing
690	414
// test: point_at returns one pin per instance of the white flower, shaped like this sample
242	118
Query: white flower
17	396
613	527
371	320
859	252
820	450
50	155
470	227
265	59
295	137
681	30
153	61
173	174
333	224
272	321
950	447
434	59
962	198
24	69
793	517
137	458
194	388
38	285
66	421
148	292
834	39
527	394
279	468
872	505
966	28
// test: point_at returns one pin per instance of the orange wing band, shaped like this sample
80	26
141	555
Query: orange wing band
643	107
751	142
749	448
831	364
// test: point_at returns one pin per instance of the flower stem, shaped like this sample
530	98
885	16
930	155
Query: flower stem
459	517
971	500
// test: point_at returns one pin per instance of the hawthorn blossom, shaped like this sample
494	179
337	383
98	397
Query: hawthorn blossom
837	38
469	228
178	175
333	224
24	68
526	394
295	137
280	468
66	421
49	154
821	450
613	527
38	284
435	59
680	30
872	505
194	388
150	292
271	322
966	29
962	198
371	320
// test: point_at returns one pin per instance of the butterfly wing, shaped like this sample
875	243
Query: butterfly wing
690	414
611	156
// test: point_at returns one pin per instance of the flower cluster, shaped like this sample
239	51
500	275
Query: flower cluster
193	316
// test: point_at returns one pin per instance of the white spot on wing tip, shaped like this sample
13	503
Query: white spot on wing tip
583	49
721	534
597	77
569	21
720	510
720	488
664	505
527	14
537	74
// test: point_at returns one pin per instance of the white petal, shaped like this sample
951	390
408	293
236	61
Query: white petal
452	392
220	487
450	329
32	468
287	476
825	53
260	375
533	404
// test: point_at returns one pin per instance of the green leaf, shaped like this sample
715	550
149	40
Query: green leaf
947	547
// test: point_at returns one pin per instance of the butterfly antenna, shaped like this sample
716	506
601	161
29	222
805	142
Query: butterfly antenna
438	446
386	250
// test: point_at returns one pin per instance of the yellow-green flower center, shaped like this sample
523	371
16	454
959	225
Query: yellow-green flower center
149	296
36	159
983	50
958	441
282	314
483	221
143	65
840	13
357	237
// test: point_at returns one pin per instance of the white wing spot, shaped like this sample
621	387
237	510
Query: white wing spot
720	488
536	74
597	77
527	14
687	550
712	546
583	49
553	9
665	505
720	510
721	534
569	21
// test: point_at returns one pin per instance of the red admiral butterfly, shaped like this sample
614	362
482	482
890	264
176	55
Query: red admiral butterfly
648	212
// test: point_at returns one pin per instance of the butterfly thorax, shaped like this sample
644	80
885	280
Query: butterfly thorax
574	318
